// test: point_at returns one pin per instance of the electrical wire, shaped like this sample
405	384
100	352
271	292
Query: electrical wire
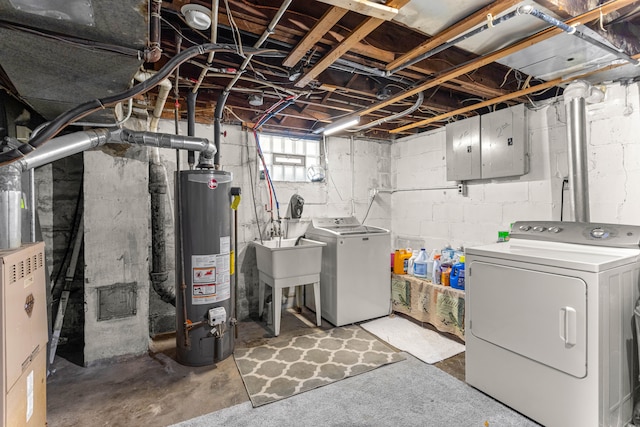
180	33
369	208
267	176
564	182
253	195
82	110
235	31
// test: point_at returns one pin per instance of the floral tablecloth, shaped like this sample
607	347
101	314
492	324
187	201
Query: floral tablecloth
440	306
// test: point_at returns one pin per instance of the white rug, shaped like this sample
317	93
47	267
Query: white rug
425	344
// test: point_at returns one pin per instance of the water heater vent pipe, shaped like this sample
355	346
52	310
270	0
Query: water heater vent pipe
576	96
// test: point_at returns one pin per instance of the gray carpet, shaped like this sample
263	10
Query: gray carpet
406	393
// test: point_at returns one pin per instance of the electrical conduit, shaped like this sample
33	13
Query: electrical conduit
222	100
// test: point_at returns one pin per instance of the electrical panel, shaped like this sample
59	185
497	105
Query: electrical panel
463	150
493	145
503	136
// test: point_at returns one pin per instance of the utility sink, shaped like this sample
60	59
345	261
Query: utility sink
282	264
282	259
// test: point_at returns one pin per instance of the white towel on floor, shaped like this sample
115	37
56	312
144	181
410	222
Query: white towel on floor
422	343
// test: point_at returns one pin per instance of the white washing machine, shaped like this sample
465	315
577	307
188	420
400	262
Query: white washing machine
355	283
550	322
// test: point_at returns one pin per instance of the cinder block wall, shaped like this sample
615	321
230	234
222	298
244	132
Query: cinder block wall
355	168
435	218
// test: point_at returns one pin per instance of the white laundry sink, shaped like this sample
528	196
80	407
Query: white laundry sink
281	258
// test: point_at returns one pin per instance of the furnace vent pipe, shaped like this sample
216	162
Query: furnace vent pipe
206	148
64	146
10	213
67	145
576	96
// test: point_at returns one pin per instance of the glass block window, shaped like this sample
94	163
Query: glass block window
289	159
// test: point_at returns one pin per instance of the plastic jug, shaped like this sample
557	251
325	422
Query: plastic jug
445	274
411	261
435	273
430	264
400	261
420	264
456	279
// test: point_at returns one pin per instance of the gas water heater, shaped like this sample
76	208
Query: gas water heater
205	310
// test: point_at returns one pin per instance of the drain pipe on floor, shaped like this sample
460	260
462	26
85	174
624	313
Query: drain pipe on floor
576	96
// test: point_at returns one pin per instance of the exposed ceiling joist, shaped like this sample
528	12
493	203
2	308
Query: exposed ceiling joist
606	8
364	29
510	96
324	24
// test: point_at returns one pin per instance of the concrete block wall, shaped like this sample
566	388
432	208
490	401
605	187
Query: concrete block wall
435	218
354	169
361	176
116	249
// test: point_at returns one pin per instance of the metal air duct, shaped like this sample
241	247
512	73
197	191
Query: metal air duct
576	96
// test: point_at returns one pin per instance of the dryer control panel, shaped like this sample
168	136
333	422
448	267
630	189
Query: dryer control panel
585	233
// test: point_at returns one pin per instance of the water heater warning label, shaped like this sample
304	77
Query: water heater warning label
210	278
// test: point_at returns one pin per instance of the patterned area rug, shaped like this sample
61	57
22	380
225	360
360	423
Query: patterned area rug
281	369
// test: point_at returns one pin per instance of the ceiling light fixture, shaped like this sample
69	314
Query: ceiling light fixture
198	17
341	124
383	93
375	9
256	99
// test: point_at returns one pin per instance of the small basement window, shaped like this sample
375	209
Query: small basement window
290	159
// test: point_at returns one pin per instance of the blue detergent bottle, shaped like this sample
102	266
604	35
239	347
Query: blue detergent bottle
456	280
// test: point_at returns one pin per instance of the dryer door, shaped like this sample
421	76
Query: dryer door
541	316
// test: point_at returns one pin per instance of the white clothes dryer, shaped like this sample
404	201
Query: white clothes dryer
550	321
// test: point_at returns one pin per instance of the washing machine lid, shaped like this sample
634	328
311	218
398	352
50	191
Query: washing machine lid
564	255
342	226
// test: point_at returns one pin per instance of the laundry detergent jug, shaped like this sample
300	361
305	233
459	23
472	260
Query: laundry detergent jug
456	278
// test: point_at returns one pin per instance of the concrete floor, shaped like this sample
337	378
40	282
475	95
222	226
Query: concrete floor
154	390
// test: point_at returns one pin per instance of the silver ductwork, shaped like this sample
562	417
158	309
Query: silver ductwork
67	145
10	205
576	97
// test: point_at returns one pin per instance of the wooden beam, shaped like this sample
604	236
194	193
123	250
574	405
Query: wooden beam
504	98
415	72
606	8
366	27
326	22
460	27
